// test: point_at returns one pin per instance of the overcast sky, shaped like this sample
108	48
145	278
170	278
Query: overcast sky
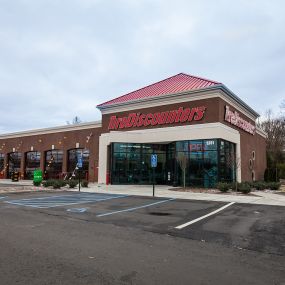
60	58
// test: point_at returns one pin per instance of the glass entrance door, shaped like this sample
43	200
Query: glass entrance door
130	163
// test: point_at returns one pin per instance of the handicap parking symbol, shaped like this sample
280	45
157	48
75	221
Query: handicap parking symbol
153	160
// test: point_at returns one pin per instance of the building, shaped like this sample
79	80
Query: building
196	126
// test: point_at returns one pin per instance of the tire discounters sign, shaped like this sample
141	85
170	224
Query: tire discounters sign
180	115
234	119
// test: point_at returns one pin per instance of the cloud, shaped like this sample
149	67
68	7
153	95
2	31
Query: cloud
59	59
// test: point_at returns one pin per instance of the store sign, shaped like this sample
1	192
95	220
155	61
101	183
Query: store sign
180	115
234	119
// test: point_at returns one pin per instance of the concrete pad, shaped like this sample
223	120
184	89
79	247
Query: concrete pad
259	198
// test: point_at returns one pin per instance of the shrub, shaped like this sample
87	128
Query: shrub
244	187
233	186
223	187
48	183
62	183
274	185
84	183
72	183
57	184
260	185
36	183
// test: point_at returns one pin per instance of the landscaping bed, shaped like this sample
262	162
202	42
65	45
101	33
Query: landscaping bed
243	188
211	191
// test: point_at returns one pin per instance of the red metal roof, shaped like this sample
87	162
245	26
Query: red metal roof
176	84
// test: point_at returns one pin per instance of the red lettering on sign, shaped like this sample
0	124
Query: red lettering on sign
160	118
234	119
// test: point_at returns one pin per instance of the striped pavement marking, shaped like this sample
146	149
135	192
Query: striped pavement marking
135	208
204	217
64	200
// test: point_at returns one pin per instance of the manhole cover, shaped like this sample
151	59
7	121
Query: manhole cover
159	214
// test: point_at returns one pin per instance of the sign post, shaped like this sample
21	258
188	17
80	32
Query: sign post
79	165
153	161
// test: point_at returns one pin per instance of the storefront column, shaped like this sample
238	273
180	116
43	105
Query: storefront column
42	162
64	161
6	162
22	165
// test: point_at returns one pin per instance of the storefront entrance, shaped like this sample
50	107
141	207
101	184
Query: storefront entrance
199	163
131	163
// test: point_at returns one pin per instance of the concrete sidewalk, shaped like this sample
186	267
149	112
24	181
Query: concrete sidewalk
259	197
19	183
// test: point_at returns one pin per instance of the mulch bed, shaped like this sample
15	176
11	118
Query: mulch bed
211	191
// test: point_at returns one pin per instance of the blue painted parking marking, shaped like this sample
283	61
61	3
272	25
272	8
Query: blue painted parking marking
77	210
64	200
135	208
2	198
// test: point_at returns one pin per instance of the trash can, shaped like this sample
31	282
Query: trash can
15	176
38	176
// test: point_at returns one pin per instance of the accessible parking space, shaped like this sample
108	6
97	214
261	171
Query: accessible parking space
62	200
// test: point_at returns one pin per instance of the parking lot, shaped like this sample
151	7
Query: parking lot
246	238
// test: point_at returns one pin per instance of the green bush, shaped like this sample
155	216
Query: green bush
62	183
274	185
244	187
72	183
57	184
223	187
281	170
48	183
84	183
37	183
259	185
233	186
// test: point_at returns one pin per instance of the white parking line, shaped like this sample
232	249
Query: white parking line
203	217
63	200
134	208
2	198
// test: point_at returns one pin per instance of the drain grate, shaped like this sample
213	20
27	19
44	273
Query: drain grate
160	214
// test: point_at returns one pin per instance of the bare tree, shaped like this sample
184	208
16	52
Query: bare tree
282	105
75	120
182	159
275	143
234	163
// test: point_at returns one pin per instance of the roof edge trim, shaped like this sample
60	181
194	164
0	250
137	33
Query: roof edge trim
221	86
65	128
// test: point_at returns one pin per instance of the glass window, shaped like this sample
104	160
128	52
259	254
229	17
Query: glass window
53	164
73	155
2	166
14	163
196	146
227	162
182	146
205	163
32	162
130	163
2	156
210	145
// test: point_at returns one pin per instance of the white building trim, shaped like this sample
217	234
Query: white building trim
66	128
168	99
167	135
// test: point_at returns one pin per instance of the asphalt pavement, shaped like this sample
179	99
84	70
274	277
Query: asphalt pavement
89	238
